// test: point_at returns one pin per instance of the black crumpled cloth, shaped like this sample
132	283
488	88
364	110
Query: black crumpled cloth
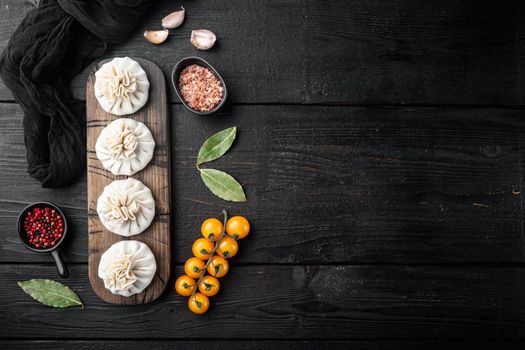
51	46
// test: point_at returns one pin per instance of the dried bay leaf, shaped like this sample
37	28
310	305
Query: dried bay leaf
223	185
51	293
216	145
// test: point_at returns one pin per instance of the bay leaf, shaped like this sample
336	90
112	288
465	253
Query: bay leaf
216	145
51	293
223	185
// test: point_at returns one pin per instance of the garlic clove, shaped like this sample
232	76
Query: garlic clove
174	19
156	36
203	39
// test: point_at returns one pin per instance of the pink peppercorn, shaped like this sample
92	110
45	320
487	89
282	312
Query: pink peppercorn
43	227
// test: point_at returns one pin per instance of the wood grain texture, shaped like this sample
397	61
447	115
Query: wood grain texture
430	197
233	344
326	184
156	176
180	345
339	51
293	302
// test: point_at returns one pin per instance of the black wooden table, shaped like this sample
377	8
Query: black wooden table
381	148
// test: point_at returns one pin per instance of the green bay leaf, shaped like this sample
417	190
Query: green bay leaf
215	146
51	293
223	185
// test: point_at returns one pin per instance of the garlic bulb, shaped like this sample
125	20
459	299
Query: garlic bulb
203	39
174	19
156	36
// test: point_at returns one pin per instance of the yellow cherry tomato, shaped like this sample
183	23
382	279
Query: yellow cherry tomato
218	266
211	229
237	227
209	286
184	285
199	303
202	248
228	247
194	267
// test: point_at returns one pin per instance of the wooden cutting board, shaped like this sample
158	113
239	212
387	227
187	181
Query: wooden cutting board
156	176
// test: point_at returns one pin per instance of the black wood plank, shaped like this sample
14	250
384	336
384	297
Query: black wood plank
295	302
232	344
380	52
183	345
334	184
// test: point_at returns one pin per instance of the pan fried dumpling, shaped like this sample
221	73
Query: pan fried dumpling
126	207
127	267
125	146
121	86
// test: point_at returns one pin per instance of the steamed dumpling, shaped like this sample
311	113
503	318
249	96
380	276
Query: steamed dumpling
121	86
126	207
125	146
127	267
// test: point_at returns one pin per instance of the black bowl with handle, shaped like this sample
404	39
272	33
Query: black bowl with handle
53	250
188	61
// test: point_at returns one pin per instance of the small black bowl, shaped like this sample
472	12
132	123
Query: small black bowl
53	250
185	62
